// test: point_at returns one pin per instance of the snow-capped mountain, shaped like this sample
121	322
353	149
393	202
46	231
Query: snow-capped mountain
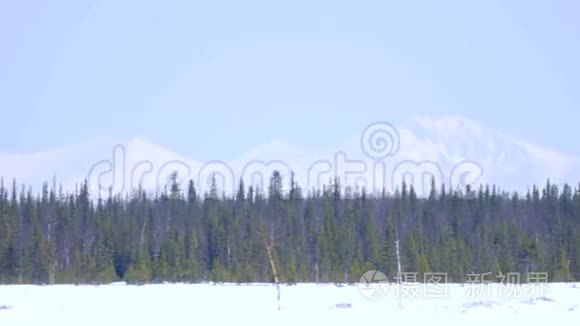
506	161
452	150
103	162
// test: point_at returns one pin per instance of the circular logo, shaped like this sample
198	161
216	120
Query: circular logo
380	140
374	285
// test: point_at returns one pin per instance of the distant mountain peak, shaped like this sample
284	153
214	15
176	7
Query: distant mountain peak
446	141
453	126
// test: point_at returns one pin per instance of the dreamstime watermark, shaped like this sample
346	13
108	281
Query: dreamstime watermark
380	143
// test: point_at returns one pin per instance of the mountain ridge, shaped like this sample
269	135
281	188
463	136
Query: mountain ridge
426	145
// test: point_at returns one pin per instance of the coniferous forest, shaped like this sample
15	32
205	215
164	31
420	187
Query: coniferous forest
333	234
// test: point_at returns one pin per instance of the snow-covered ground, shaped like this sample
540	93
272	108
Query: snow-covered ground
303	304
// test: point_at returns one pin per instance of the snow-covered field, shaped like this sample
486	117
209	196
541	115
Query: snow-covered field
303	304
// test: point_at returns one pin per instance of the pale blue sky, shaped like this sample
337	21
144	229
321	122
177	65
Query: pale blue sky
213	80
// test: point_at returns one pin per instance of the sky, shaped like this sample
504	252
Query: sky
213	79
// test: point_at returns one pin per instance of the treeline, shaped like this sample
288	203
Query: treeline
333	234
